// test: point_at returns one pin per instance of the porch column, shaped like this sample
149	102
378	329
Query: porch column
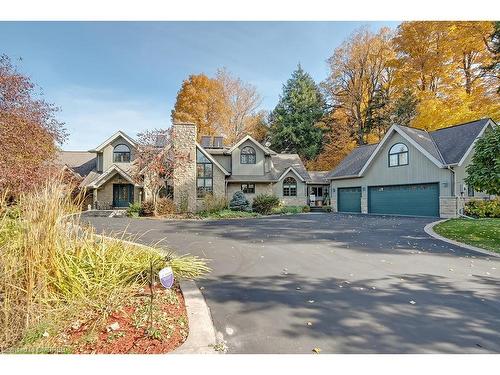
94	198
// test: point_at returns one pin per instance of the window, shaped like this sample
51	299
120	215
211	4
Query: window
470	191
248	188
398	155
247	155
289	187
204	175
121	154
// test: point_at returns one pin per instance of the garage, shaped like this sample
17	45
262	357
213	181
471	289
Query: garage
349	199
413	200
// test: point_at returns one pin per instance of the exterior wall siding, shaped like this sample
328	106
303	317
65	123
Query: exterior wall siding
260	188
419	170
224	160
256	169
107	154
300	199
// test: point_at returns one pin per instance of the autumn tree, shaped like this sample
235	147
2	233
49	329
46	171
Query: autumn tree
442	62
29	131
295	119
243	102
201	100
360	80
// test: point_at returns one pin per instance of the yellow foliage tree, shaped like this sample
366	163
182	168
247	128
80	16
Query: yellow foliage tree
443	63
201	101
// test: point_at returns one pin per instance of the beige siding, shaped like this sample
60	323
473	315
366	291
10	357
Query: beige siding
256	169
260	188
224	160
107	154
300	199
419	170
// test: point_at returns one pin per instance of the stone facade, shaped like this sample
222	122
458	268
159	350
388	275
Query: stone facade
104	194
218	186
184	176
260	188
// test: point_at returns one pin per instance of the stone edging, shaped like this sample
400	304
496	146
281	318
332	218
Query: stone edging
201	338
430	231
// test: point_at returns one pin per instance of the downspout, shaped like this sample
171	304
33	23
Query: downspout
452	188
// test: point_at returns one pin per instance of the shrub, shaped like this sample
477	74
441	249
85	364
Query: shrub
133	209
54	272
228	214
214	204
306	209
147	208
165	206
264	203
239	202
327	208
483	208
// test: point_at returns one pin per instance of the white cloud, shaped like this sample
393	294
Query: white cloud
93	115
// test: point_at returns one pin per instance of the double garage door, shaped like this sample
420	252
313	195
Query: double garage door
414	200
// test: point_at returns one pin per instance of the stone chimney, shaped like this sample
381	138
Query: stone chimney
184	176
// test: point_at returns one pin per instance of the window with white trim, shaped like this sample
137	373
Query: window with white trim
398	155
289	187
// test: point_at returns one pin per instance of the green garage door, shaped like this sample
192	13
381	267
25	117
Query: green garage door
349	199
414	200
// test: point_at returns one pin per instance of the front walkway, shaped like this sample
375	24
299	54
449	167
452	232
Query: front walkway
343	283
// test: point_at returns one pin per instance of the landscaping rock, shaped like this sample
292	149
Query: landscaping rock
113	327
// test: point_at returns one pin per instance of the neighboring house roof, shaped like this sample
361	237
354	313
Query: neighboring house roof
352	164
118	134
318	177
455	141
80	162
444	147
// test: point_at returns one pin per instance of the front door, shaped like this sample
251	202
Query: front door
123	195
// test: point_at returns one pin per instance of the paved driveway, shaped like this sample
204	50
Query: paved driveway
366	284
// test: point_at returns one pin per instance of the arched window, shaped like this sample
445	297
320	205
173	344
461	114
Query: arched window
247	155
121	154
289	187
398	155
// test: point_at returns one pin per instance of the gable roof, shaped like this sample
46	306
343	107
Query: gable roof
212	159
80	162
266	150
110	172
119	133
318	177
455	142
283	162
444	147
351	165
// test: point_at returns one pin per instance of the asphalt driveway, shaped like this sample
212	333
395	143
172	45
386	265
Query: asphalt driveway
343	283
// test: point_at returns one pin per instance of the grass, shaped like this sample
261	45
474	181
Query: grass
483	233
53	272
227	214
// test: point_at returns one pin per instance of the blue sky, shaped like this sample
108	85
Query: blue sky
107	76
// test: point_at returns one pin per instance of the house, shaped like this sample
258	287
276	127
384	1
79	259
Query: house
208	167
105	172
410	172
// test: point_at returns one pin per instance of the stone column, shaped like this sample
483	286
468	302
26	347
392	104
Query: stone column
184	176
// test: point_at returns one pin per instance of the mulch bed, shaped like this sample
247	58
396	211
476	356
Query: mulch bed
129	331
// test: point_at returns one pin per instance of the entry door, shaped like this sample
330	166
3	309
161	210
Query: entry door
123	195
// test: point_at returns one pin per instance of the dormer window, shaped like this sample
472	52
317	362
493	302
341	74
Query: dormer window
121	154
247	155
398	155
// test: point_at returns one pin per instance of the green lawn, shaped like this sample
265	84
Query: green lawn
483	233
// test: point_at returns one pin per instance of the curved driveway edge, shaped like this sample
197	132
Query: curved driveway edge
430	231
201	338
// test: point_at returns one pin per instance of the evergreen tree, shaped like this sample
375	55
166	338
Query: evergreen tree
294	121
